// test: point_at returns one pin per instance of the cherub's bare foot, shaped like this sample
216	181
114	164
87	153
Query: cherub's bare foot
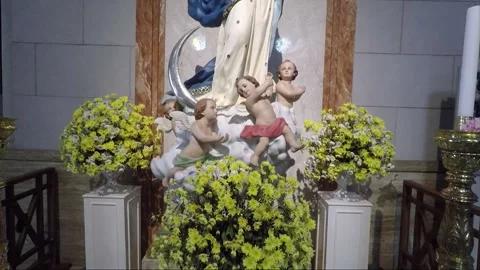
296	147
165	182
254	160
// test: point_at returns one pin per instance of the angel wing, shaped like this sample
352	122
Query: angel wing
163	124
180	120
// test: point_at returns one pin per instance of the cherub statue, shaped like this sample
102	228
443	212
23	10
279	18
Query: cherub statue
170	104
201	139
177	121
267	126
287	94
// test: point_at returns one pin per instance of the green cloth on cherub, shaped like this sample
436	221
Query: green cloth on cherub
185	162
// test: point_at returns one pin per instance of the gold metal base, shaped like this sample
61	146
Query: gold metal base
461	157
455	237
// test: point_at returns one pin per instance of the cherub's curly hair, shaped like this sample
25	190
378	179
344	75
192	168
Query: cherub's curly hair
200	107
295	73
248	78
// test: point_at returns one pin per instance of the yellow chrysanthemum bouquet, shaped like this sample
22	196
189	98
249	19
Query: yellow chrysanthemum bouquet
351	140
237	218
108	134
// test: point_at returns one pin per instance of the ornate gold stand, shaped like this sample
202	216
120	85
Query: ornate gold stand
7	127
461	157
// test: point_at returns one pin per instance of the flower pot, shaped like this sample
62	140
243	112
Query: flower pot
115	182
344	179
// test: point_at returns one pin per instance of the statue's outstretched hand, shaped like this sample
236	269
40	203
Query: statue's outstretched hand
269	79
268	93
269	83
226	137
222	139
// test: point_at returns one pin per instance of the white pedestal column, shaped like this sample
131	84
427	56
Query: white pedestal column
343	233
112	230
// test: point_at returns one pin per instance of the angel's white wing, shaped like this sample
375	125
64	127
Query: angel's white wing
180	120
163	124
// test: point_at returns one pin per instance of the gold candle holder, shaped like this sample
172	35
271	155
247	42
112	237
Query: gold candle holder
7	127
461	157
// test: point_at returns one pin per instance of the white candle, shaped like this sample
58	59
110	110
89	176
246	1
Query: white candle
468	77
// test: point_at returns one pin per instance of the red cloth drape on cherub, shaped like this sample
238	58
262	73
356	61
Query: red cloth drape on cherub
271	131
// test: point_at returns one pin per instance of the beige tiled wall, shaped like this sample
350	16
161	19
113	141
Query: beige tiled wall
58	54
407	61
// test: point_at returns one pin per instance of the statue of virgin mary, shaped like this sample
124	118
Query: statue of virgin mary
245	41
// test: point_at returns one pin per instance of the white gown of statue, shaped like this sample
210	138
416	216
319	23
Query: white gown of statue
243	48
288	114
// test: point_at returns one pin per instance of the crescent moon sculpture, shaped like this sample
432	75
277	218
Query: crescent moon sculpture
183	95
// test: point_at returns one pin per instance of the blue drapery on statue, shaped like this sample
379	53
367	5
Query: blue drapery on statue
203	77
209	13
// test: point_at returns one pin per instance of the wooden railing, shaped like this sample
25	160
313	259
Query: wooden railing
417	251
45	233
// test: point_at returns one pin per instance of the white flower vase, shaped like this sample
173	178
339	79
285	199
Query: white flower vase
111	183
344	179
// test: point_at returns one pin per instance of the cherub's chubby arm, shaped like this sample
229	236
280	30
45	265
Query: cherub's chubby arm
288	91
201	137
269	91
261	88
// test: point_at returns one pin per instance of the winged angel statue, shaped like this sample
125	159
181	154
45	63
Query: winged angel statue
180	125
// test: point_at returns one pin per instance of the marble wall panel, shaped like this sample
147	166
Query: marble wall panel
114	27
49	21
379	26
439	25
339	52
402	81
31	113
149	54
23	69
81	70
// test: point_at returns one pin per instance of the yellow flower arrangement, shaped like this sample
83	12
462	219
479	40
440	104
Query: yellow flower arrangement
237	218
108	134
350	140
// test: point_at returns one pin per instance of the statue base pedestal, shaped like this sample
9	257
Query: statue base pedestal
112	230
343	232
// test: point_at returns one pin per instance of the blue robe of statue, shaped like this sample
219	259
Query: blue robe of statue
209	13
